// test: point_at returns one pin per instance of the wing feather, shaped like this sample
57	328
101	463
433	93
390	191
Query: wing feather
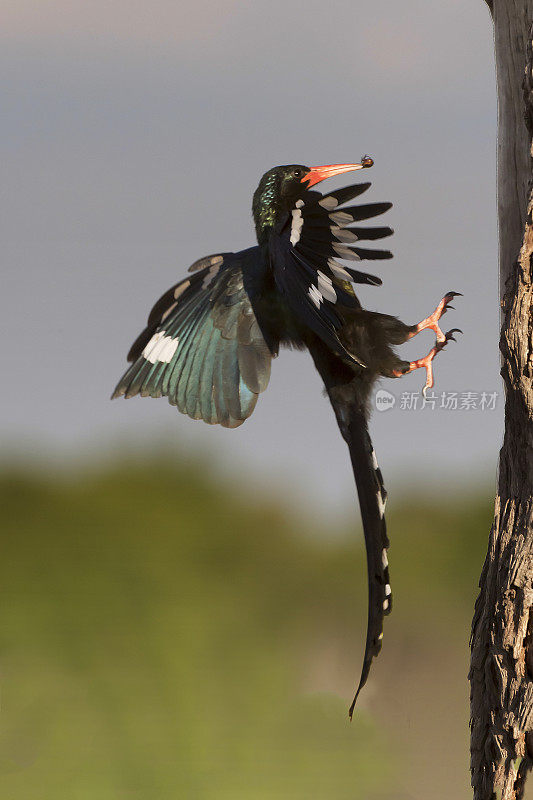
202	347
304	247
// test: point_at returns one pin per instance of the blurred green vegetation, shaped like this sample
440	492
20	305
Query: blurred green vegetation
165	637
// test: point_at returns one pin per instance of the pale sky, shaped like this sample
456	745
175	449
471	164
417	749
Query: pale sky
133	136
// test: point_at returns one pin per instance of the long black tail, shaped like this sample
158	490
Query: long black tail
372	498
348	394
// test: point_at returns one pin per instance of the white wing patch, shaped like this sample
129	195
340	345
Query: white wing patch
323	290
325	287
297	223
160	348
315	295
339	271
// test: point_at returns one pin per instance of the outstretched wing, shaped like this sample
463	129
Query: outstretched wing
304	248
202	347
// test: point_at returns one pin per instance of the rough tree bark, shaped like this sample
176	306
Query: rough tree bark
501	674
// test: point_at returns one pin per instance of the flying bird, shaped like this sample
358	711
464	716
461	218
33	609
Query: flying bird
210	339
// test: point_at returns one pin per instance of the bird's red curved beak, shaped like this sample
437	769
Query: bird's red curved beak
317	174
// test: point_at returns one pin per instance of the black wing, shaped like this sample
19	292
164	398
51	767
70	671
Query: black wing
202	347
304	248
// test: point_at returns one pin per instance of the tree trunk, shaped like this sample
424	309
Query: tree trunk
501	674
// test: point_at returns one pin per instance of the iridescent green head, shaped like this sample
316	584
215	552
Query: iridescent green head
281	187
276	194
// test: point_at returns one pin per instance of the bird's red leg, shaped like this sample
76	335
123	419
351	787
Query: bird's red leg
432	322
427	361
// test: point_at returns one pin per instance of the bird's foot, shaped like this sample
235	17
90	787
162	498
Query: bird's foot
432	322
427	361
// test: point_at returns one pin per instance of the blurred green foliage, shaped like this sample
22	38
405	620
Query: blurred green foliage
163	637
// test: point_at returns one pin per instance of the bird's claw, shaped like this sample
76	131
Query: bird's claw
427	361
432	322
448	337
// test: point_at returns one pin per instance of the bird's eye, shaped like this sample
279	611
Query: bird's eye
297	173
